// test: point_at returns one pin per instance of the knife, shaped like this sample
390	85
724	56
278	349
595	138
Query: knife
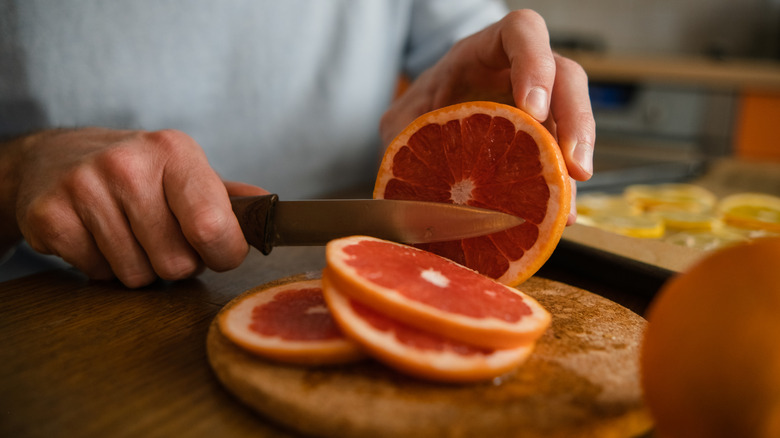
268	222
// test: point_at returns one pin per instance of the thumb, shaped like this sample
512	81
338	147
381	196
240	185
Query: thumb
235	188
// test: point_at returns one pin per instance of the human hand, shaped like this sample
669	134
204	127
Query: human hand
510	62
130	204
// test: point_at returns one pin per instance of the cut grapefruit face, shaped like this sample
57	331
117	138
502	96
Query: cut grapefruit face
487	155
433	293
290	323
417	352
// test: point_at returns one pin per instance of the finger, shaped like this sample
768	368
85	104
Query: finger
522	43
575	125
136	197
54	228
159	234
199	200
106	222
235	188
572	218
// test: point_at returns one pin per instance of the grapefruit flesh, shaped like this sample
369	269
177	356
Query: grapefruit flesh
418	352
485	155
289	322
433	293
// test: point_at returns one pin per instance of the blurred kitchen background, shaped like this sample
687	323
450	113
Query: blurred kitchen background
675	84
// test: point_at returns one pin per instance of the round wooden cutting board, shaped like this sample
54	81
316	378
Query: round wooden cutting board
581	381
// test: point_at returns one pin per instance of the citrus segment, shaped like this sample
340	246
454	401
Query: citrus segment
427	291
486	155
290	323
417	352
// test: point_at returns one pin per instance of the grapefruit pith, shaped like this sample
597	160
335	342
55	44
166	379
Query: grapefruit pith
417	352
487	155
289	322
433	293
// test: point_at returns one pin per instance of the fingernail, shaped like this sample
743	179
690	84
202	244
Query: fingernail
536	103
583	155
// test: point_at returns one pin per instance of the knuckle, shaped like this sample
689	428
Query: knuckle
123	164
587	124
217	240
571	67
82	184
207	228
45	228
169	140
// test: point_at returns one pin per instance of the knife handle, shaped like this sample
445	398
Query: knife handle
255	215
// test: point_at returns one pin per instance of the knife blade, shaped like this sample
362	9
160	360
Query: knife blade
268	222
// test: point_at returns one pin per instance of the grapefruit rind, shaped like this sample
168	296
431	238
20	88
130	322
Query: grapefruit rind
554	173
234	324
479	331
442	366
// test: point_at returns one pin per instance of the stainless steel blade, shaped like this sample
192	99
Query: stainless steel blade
318	221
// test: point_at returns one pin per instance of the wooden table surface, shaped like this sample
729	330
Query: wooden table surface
81	358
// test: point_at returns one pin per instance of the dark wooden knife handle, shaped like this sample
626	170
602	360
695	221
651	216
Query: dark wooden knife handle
255	215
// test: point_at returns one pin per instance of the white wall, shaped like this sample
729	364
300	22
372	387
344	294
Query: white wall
729	27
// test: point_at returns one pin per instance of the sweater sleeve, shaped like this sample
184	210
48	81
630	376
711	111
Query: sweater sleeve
437	24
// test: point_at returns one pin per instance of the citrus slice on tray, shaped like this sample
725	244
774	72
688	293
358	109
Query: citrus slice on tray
680	197
688	220
487	155
753	211
705	240
417	352
643	227
590	204
290	323
433	293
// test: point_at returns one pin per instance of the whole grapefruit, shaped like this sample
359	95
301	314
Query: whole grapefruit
710	361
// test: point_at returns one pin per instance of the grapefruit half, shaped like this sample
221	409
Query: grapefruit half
290	323
433	293
418	352
488	155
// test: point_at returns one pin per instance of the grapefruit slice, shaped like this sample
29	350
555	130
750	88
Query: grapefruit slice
486	155
433	293
289	323
417	352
